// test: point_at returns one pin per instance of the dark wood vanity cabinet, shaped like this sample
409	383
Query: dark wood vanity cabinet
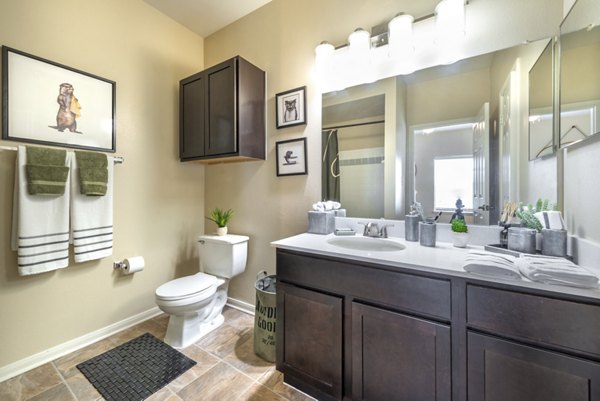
222	113
398	357
501	370
549	350
351	330
342	333
312	326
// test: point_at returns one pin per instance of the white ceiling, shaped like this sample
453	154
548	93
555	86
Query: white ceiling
206	16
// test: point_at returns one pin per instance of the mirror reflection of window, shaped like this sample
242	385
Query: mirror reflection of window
444	166
453	179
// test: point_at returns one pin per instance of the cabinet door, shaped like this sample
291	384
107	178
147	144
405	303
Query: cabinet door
192	116
312	338
221	135
398	357
500	370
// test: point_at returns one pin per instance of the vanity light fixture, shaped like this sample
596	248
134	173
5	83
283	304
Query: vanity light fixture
393	48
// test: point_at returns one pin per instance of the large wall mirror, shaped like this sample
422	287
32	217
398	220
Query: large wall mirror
434	136
580	73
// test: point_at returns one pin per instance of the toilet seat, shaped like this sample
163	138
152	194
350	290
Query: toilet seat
198	286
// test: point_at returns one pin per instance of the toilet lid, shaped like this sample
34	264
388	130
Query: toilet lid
186	286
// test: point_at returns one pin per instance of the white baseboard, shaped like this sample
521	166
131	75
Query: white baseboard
33	361
240	305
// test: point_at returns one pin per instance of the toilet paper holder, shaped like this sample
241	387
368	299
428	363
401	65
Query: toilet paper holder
119	265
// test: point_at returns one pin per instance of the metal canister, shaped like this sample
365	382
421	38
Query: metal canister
411	227
521	239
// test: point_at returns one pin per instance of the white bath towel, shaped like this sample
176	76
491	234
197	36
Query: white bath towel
91	218
40	226
559	271
491	264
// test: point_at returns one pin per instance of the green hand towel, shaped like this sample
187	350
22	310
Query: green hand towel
93	173
45	156
46	171
93	181
91	159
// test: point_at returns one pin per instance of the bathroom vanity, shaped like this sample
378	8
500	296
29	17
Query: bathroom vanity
412	325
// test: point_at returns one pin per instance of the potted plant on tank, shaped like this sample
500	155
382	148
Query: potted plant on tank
220	218
460	231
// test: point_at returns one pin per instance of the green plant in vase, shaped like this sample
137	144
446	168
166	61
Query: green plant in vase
220	218
460	233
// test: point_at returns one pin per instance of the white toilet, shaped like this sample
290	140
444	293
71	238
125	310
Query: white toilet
196	302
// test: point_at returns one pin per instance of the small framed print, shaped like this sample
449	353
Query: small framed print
291	157
51	104
290	107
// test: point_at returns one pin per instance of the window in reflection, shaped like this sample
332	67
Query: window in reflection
453	179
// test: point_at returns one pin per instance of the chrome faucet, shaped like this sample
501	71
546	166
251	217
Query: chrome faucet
372	229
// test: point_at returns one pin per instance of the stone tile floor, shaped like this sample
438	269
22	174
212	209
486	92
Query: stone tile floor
226	369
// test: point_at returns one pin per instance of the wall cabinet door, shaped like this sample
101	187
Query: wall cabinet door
192	116
398	357
310	341
220	131
500	370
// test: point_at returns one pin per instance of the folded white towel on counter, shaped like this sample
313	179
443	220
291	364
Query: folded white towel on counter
40	226
327	205
550	270
91	219
491	264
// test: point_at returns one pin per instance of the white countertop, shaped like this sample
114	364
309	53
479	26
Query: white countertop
444	258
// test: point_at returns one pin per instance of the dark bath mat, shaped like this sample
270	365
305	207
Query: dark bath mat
135	370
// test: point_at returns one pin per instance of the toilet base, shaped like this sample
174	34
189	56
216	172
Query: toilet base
184	331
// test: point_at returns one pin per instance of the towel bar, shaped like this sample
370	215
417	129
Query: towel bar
116	159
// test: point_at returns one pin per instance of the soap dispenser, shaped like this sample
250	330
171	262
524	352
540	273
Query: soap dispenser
411	224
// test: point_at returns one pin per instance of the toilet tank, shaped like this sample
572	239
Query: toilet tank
223	255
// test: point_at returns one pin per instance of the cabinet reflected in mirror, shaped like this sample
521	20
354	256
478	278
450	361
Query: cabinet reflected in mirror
580	72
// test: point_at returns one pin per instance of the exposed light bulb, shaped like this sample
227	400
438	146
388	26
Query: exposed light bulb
359	41
450	20
324	61
401	42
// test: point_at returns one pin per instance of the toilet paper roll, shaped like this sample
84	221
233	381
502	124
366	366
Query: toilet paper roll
133	264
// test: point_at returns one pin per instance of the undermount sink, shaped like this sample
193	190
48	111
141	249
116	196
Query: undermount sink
366	244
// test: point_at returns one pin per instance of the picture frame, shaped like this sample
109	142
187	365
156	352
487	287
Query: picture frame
291	157
290	107
49	103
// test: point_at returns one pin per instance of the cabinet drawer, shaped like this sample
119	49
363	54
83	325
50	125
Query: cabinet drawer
565	324
414	293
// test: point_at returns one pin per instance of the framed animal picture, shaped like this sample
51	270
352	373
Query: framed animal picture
290	107
48	103
291	157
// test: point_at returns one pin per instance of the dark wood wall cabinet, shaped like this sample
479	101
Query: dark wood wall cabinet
350	330
222	114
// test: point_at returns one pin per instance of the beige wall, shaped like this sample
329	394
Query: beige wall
280	38
159	202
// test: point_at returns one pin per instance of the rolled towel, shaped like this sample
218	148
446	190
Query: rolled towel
326	205
46	171
491	264
93	173
559	271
